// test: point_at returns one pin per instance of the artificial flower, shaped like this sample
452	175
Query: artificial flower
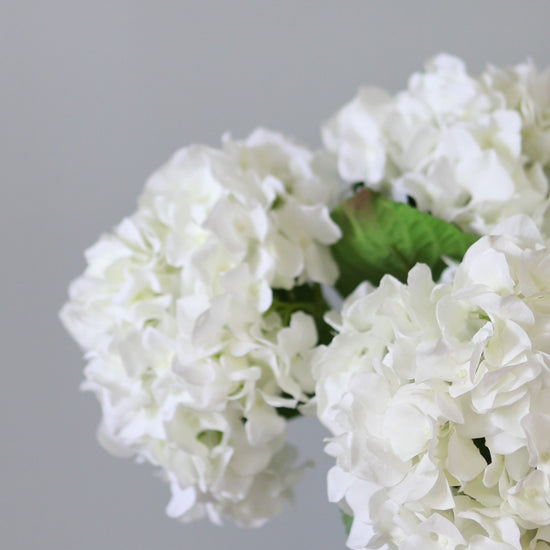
188	349
470	150
437	397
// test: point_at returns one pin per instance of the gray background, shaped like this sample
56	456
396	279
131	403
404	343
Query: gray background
94	96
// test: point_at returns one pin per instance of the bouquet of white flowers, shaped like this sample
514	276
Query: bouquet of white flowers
206	327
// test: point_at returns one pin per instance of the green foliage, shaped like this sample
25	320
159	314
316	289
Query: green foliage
309	299
347	520
484	451
383	236
210	438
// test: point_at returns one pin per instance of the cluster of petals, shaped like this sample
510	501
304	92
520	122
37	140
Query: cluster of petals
473	151
185	352
438	400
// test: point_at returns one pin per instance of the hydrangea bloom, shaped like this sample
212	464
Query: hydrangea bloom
186	353
473	151
438	398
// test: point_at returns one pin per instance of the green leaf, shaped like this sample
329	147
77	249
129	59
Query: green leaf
382	236
347	520
309	299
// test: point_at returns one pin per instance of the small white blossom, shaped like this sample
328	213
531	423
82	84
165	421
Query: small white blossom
438	399
174	311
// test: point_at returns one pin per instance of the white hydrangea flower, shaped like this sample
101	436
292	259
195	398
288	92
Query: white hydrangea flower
438	399
186	353
526	90
473	151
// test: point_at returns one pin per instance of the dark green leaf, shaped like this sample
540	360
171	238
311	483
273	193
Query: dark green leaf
309	299
481	445
382	236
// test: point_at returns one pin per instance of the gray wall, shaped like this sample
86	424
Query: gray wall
94	96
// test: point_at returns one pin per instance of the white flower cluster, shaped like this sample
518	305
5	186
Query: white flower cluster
187	353
438	398
473	151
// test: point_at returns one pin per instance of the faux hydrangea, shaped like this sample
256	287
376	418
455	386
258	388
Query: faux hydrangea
187	351
438	399
201	317
471	150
